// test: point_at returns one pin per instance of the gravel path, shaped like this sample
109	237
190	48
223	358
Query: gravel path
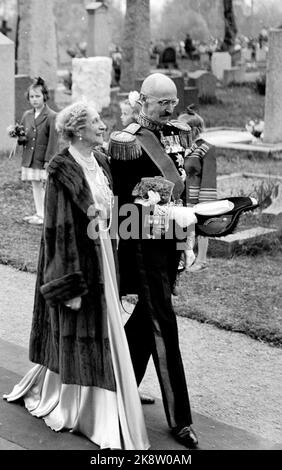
231	377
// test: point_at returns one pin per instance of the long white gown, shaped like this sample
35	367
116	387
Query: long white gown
111	420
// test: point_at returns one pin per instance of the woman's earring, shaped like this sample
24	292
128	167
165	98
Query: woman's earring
80	138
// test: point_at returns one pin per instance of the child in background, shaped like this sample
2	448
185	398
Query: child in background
130	108
200	167
39	144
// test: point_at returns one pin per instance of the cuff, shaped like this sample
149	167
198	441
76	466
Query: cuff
65	288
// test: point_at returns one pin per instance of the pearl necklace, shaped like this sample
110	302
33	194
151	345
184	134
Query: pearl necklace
89	161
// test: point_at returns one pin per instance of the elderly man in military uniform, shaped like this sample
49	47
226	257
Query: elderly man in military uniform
154	147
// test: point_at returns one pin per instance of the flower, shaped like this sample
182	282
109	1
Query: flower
154	188
16	131
153	197
133	97
255	127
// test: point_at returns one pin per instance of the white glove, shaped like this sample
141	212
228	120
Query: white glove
74	303
184	216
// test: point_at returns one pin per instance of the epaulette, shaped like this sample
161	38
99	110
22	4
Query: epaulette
184	132
123	145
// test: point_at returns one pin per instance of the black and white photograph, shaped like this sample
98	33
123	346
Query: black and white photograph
141	231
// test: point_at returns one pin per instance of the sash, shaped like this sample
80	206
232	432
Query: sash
152	147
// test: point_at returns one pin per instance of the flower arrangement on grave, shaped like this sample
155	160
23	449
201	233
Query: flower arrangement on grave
255	127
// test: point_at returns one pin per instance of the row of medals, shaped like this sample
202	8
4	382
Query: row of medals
172	145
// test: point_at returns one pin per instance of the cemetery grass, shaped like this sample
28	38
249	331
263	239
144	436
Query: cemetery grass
241	294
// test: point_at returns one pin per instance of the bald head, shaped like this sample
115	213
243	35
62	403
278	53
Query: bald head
158	85
158	96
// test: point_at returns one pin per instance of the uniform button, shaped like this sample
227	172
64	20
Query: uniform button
32	148
33	138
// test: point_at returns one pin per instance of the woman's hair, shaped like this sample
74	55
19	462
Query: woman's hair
192	118
71	119
38	82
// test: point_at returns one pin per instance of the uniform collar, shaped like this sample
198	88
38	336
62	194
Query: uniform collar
147	123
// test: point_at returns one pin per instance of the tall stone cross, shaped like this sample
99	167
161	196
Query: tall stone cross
273	92
136	44
98	34
37	49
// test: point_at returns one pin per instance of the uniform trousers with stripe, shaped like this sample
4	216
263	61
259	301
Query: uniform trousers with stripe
152	327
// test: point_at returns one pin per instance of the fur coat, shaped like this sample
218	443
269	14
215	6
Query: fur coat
74	344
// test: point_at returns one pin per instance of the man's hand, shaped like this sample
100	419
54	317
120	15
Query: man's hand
74	304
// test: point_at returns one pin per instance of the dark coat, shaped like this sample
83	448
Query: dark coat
74	344
42	138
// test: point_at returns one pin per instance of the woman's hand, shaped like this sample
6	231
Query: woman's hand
74	304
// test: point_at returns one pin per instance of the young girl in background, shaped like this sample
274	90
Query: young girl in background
39	144
200	167
130	108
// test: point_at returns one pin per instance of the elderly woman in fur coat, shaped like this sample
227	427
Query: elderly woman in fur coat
83	377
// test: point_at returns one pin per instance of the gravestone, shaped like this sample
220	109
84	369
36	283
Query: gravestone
37	51
246	55
273	213
98	36
7	91
91	81
273	92
220	61
236	57
205	82
167	59
190	96
22	82
204	60
234	75
240	241
261	54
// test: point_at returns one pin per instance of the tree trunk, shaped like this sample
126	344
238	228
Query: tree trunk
136	44
229	26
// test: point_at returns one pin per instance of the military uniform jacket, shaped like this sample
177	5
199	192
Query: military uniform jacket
42	138
130	162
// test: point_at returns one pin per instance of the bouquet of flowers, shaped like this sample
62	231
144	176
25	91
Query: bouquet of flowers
16	131
255	127
155	190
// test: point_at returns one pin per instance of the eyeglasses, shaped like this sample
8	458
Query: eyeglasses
165	103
